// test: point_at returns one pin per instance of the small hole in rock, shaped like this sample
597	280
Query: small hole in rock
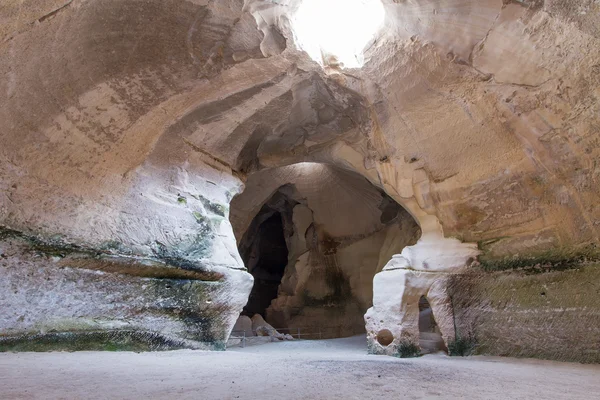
385	337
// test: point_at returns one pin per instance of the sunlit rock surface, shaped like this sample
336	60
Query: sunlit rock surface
128	127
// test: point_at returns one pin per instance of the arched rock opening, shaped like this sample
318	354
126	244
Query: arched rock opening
139	136
271	256
265	253
339	231
430	337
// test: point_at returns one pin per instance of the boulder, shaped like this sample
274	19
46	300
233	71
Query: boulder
262	328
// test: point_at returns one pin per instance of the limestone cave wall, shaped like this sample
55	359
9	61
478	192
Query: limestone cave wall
340	230
129	126
536	311
71	300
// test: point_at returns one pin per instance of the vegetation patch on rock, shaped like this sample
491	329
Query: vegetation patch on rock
116	340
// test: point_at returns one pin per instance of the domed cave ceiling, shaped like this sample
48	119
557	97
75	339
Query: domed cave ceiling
460	161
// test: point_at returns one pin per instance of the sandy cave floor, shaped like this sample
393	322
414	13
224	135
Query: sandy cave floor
326	369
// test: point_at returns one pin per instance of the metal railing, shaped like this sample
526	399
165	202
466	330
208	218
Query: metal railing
296	333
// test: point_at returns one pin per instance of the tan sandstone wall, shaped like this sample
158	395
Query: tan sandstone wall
530	312
127	126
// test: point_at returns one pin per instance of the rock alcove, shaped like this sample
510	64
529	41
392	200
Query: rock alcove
313	236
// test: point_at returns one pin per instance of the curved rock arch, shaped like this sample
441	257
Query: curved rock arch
115	142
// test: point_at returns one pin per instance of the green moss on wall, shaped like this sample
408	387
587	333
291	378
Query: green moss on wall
462	346
6	233
169	263
53	247
559	259
212	207
551	314
184	253
182	294
116	340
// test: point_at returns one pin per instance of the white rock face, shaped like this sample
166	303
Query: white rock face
396	295
421	270
435	253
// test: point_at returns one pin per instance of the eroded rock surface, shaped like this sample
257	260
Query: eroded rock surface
338	230
128	127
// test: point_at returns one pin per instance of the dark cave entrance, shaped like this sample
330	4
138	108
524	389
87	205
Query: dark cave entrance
430	339
268	257
264	250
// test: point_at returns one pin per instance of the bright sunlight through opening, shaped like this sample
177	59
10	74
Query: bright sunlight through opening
337	31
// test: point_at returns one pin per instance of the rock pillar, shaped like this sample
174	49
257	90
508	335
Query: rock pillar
421	270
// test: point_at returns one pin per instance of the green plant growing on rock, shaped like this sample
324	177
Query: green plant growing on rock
462	346
199	217
408	350
118	340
